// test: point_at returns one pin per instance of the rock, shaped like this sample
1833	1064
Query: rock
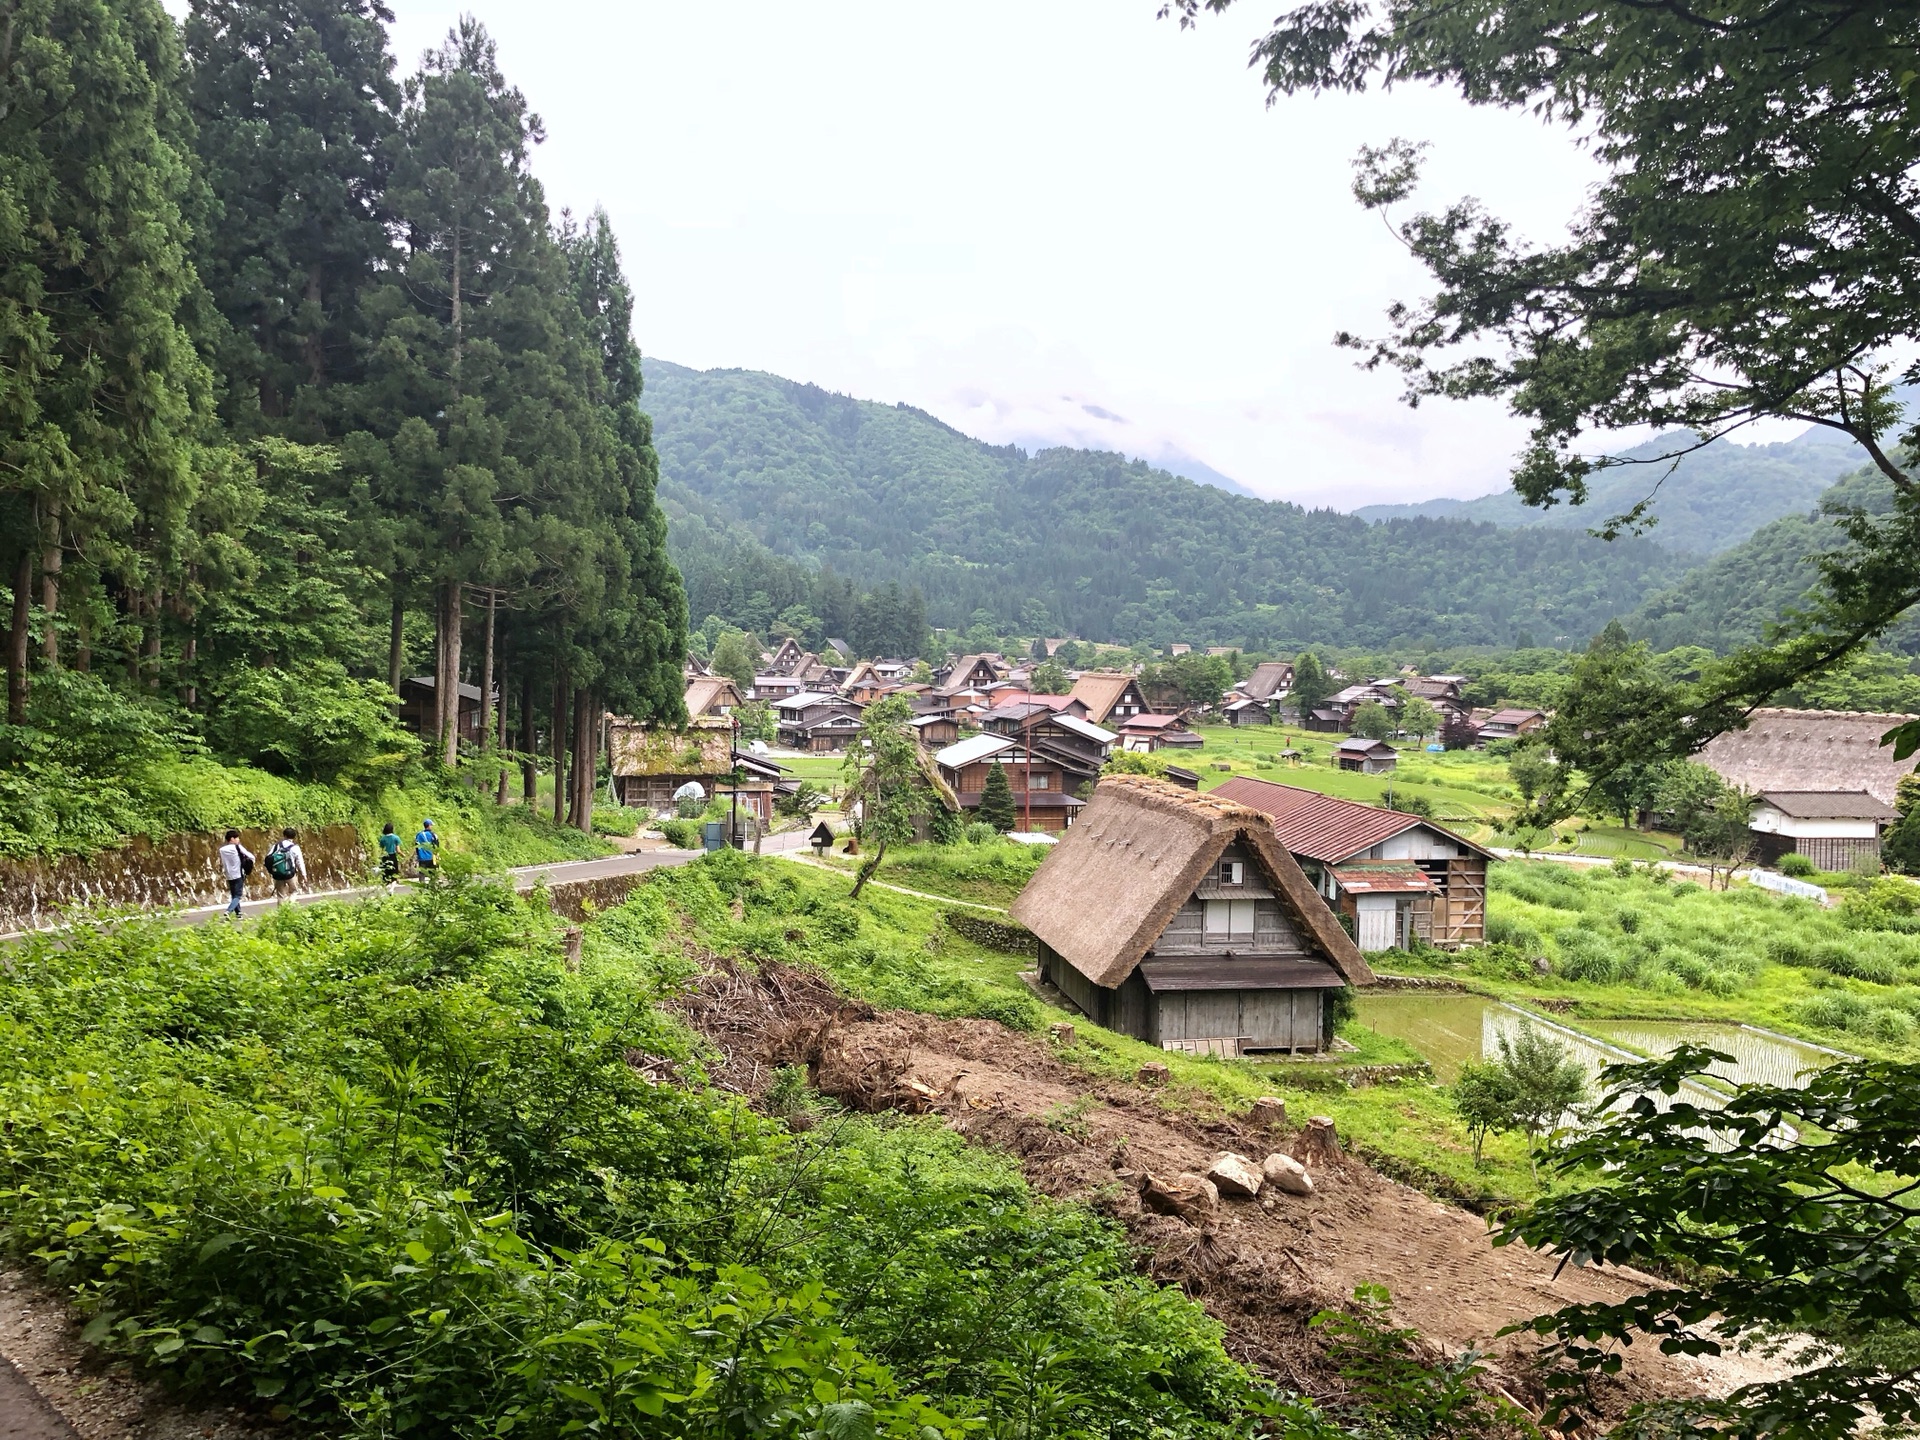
1542	965
1269	1112
1062	1033
1286	1174
1235	1175
1154	1073
1191	1198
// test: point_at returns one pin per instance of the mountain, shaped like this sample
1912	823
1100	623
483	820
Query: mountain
1733	598
1714	499
766	479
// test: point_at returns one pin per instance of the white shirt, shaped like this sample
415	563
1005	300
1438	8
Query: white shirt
230	859
295	854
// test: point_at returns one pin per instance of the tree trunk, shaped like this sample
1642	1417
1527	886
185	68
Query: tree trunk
866	870
396	641
486	668
17	637
457	337
529	767
557	737
50	591
500	733
450	690
156	615
191	694
316	353
580	792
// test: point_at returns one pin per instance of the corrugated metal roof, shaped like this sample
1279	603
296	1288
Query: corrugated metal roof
1383	879
976	747
1324	827
1240	973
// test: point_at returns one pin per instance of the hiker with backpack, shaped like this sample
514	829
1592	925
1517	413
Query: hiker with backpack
426	849
236	863
389	857
286	865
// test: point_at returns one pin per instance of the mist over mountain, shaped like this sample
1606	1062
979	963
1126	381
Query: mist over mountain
766	480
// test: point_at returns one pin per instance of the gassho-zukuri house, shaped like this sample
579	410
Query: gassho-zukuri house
1177	918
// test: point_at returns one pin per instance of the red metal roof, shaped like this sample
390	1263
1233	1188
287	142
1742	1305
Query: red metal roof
1324	827
1383	879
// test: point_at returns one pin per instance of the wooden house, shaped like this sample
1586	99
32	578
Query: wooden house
1177	918
777	687
1832	828
893	669
1270	680
1041	795
786	658
1802	751
935	731
1369	757
816	723
416	708
1059	734
1511	724
712	695
1238	710
969	672
1110	696
650	762
1147	733
1395	876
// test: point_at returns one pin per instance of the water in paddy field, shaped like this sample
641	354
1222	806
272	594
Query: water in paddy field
1451	1030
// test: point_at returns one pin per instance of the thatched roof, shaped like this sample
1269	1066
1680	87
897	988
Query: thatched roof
704	748
1136	854
1803	750
710	692
1100	691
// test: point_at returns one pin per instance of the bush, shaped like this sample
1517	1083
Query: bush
682	834
981	833
1795	864
1588	955
314	723
617	820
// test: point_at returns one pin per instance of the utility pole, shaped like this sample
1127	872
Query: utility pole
733	774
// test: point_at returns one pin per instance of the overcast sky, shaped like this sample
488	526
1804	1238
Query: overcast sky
1066	222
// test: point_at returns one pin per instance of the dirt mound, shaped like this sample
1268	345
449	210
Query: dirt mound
1262	1267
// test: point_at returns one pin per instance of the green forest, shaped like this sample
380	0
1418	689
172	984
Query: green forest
1077	542
304	388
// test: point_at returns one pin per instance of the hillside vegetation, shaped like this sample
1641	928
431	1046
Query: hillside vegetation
1713	499
1077	541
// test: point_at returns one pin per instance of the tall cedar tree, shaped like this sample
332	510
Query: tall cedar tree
103	399
296	106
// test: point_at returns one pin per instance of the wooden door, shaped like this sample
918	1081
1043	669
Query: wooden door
1375	916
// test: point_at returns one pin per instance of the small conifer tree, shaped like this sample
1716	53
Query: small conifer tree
996	801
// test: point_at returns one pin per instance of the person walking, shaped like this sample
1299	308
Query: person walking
236	863
389	857
286	865
426	848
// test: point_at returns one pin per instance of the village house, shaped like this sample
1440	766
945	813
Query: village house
815	722
934	731
1240	710
1832	828
651	763
969	672
1040	786
416	708
1800	751
711	695
1147	733
1059	734
777	687
1270	680
1110	696
1509	724
1395	876
786	658
1442	692
1368	757
893	668
1177	918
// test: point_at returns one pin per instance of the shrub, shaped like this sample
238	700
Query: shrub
981	833
1507	930
1795	864
1588	955
313	723
682	834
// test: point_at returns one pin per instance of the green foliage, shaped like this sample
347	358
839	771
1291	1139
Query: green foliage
1484	1099
1050	678
1396	1391
316	723
806	798
1135	762
1198	680
890	494
391	1161
1763	1227
756	722
682	834
736	655
1542	1080
1418	717
887	782
1795	864
1372	720
996	801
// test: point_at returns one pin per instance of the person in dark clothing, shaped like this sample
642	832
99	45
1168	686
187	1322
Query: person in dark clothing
389	857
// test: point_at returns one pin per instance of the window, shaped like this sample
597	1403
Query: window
1229	922
1040	782
1232	872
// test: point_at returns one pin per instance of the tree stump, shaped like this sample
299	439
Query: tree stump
1269	1112
1319	1143
576	941
1062	1033
1154	1073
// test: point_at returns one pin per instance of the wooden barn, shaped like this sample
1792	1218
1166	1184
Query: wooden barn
1178	918
1395	876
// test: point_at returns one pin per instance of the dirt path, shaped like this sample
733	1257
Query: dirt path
1263	1267
799	859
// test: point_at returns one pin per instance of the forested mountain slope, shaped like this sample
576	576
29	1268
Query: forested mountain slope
1713	500
1084	542
1733	598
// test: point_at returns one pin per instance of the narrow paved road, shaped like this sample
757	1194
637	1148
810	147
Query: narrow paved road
24	1415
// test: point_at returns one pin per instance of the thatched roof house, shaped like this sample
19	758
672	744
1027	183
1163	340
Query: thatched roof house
1798	751
1178	918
